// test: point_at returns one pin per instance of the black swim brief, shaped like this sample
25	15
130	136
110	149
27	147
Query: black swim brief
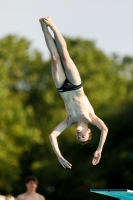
67	86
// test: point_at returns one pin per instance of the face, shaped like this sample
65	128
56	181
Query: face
82	133
31	186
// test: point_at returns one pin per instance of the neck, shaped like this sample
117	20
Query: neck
31	192
81	123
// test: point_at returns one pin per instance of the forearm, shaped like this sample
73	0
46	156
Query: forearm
102	139
54	143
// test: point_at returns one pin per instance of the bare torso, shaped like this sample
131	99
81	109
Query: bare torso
77	106
26	196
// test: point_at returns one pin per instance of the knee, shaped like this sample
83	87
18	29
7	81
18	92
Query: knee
55	59
64	55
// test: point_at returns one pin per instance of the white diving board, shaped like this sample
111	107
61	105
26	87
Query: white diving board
123	194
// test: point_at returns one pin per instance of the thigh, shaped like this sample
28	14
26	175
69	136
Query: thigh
71	70
58	73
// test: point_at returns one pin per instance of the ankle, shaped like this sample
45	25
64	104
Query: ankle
53	27
45	28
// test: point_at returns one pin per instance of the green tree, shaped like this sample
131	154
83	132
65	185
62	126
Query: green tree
17	123
31	107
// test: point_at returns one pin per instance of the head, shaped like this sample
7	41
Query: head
83	133
31	183
9	197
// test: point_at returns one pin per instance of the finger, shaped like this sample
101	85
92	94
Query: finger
67	165
94	161
67	162
63	166
97	161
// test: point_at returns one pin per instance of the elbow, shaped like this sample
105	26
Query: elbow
50	136
105	129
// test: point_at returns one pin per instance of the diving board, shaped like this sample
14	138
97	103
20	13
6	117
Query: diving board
123	194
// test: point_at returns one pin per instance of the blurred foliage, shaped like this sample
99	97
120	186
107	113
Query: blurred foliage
31	107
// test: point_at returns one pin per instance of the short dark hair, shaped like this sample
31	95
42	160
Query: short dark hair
32	178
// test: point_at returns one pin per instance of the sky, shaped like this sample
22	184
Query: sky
107	22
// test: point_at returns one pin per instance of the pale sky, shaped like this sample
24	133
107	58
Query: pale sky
108	22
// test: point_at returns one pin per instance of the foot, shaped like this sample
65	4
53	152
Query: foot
49	22
43	24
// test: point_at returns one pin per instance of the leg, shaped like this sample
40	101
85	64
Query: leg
57	68
70	69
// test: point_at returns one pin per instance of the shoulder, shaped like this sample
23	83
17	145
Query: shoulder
20	197
98	122
91	118
41	197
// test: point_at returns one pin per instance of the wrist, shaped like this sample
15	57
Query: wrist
99	149
59	156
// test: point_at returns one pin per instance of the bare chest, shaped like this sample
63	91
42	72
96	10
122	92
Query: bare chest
32	197
74	117
78	106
